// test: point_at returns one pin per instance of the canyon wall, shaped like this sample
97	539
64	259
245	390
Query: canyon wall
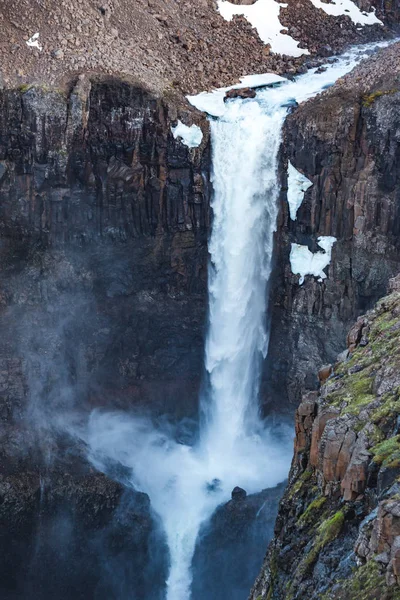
104	219
346	141
104	222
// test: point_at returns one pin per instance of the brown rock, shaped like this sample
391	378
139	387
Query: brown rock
317	431
355	334
242	93
324	373
304	419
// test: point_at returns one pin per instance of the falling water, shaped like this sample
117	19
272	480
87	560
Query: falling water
187	483
245	148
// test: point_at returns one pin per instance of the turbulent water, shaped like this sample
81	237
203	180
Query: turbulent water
235	447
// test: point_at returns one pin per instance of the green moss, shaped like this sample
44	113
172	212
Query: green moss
296	487
366	583
369	99
24	87
355	390
311	512
273	567
330	529
387	451
390	406
327	532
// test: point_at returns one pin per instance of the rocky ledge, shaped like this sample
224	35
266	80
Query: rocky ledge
337	534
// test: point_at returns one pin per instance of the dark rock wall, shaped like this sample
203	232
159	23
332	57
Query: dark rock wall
104	220
231	547
347	144
103	247
77	536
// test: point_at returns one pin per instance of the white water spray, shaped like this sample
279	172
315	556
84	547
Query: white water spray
187	483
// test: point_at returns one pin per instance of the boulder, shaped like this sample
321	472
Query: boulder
242	93
238	494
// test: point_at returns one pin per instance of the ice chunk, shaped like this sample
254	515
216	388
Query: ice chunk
303	262
190	136
264	16
349	8
298	184
34	42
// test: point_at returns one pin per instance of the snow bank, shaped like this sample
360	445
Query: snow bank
34	42
303	262
264	16
213	102
298	184
347	7
190	136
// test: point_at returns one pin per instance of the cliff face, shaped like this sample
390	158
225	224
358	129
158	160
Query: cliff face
346	141
104	220
337	534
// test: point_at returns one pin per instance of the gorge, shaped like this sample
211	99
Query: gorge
186	483
171	284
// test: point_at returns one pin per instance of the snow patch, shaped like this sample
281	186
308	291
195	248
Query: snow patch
337	8
298	184
190	136
303	262
264	16
33	42
213	102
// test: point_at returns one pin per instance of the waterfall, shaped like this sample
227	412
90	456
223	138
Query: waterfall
186	483
245	149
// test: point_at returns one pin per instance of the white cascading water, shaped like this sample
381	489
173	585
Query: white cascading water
187	483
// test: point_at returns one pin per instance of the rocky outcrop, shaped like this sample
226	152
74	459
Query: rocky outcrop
346	142
337	534
241	527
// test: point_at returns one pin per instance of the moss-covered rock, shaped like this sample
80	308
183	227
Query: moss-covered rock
338	528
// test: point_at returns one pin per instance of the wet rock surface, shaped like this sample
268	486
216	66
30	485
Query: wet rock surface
241	527
104	225
338	526
76	535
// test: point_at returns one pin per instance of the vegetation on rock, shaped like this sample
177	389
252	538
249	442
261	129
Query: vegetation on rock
338	528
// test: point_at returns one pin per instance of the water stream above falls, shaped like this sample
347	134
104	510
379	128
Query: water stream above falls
235	446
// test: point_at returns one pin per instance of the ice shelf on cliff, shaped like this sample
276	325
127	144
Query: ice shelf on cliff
189	136
304	262
213	103
298	184
264	16
348	8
